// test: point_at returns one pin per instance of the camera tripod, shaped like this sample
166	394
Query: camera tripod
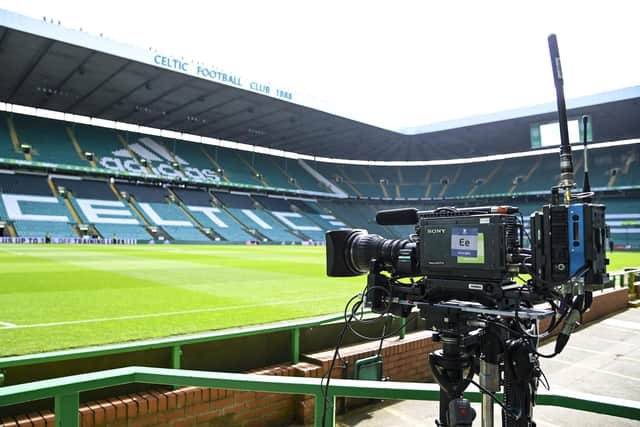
479	340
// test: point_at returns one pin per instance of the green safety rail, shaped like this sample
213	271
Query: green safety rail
66	391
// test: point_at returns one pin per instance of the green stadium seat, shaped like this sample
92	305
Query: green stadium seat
48	139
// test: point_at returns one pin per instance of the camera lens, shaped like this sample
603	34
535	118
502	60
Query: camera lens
349	252
363	247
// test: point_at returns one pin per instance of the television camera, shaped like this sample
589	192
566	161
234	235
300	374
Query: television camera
463	269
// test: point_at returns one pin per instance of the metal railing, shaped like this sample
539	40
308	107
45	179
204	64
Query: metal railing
66	391
175	343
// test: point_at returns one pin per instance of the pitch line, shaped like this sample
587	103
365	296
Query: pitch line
7	325
170	313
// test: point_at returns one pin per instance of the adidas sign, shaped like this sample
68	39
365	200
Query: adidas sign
159	160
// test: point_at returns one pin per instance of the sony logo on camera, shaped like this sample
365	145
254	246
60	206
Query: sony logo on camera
436	230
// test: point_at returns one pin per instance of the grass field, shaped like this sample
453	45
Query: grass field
56	297
72	296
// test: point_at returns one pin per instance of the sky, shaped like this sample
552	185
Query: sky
395	64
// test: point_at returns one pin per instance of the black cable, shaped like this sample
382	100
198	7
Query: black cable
324	387
388	335
513	331
555	323
545	384
360	304
498	401
384	329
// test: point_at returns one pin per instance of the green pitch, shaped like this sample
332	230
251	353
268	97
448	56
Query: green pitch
56	297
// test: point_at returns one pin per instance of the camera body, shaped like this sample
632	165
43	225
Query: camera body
568	241
470	247
474	254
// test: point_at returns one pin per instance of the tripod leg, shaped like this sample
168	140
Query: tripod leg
491	350
490	379
448	367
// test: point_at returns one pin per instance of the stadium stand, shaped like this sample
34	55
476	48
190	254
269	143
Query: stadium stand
24	184
314	211
123	231
276	219
194	154
154	205
43	228
354	215
29	204
222	223
197	204
623	217
83	189
611	165
144	193
235	200
302	178
7	148
299	221
543	174
49	140
244	210
186	234
412	181
102	142
86	189
192	196
235	168
95	203
270	170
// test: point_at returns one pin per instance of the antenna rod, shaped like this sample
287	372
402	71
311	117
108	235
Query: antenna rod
566	161
586	187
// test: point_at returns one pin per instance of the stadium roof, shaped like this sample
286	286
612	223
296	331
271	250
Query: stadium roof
51	67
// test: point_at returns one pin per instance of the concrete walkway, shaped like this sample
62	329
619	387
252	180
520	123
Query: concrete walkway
602	358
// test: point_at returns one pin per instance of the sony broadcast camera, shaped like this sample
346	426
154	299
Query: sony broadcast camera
474	254
478	278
